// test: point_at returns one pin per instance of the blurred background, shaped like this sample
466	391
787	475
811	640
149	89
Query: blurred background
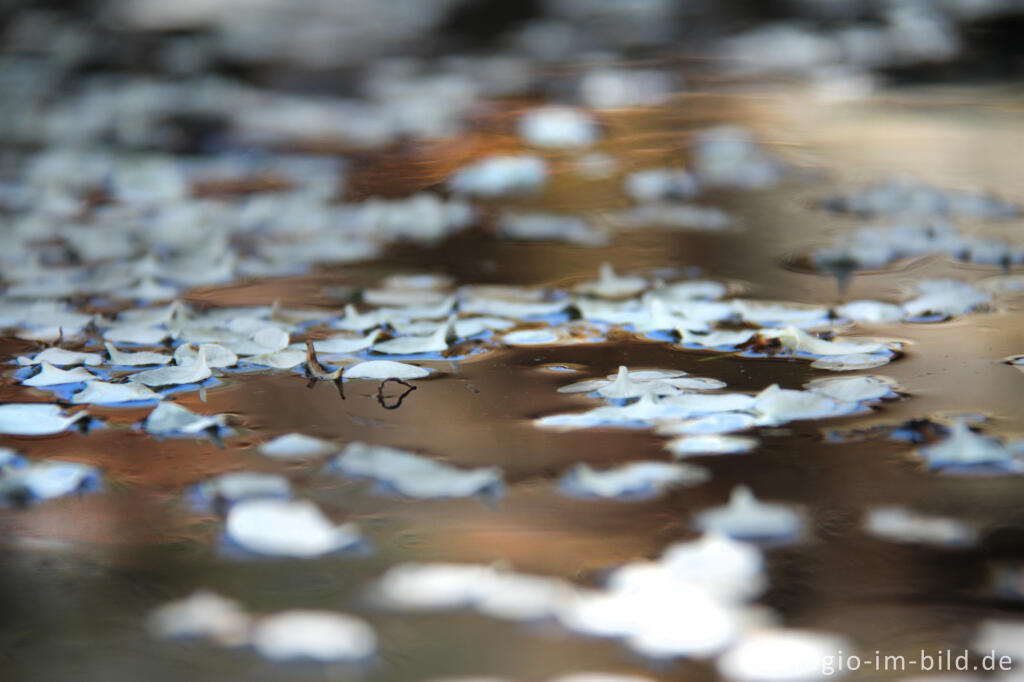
260	69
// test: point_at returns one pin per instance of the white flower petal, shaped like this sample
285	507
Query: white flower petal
385	369
897	524
336	345
217	356
414	475
499	176
745	517
852	363
313	635
202	615
635	479
48	375
106	393
964	448
236	486
287	528
171	418
35	419
854	389
776	406
118	357
62	358
558	127
174	375
710	444
783	656
286	358
296	446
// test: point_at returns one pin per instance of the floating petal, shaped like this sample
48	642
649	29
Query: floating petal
783	656
710	444
48	479
747	518
35	419
385	369
287	528
337	345
854	389
62	358
217	356
897	524
174	375
296	446
122	358
171	418
48	375
202	615
106	393
634	480
236	486
559	127
964	449
776	406
414	475
313	635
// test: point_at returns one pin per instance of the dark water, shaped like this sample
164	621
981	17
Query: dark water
78	575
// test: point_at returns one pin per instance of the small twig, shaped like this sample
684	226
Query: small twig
213	432
315	370
719	356
398	403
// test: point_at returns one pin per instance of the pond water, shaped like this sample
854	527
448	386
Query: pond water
80	574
